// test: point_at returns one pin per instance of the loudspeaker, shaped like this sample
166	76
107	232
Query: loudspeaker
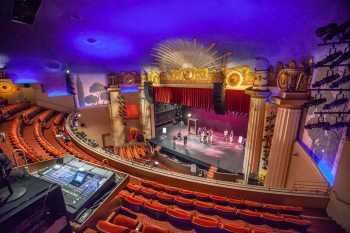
219	98
24	11
148	92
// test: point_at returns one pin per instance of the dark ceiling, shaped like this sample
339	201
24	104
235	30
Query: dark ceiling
110	35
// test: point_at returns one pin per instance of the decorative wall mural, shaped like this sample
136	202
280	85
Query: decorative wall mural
91	90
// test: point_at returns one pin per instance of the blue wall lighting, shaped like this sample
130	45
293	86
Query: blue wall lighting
132	88
58	93
322	165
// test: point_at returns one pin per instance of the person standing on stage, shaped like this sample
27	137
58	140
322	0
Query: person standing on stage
174	142
211	136
185	140
225	135
202	136
231	136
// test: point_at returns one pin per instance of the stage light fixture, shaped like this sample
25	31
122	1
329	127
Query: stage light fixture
342	58
314	102
321	31
67	71
240	139
325	80
329	58
336	103
164	130
189	115
344	79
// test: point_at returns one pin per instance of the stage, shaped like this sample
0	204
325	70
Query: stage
228	157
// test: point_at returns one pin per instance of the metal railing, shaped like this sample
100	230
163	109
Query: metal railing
147	168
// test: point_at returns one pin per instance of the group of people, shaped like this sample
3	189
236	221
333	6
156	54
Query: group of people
206	135
228	137
179	137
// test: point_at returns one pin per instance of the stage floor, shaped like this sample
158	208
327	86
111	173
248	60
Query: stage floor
225	155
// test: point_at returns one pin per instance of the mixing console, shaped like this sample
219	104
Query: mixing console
80	181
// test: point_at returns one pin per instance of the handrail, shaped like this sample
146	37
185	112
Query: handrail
202	180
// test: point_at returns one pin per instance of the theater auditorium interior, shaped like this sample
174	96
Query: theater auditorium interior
174	116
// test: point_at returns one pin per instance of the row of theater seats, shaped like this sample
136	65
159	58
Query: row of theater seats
158	202
58	119
7	111
18	142
123	220
28	114
25	118
253	205
132	152
39	123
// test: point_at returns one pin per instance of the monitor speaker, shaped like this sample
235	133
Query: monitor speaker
148	92
24	11
219	98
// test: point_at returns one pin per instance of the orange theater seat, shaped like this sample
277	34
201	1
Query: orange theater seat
89	230
183	202
262	230
219	199
273	220
202	196
250	216
235	202
165	198
179	218
108	227
186	193
296	223
253	205
235	227
204	207
154	229
125	221
171	190
205	224
271	208
125	193
225	211
155	209
149	193
133	203
133	187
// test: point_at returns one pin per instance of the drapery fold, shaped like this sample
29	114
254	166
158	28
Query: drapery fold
235	100
192	97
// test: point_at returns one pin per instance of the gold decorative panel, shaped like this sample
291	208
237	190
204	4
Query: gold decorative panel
7	88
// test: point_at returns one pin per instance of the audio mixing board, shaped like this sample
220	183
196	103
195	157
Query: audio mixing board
81	182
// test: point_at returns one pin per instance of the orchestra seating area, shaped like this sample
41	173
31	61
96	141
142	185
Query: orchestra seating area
33	130
148	206
136	152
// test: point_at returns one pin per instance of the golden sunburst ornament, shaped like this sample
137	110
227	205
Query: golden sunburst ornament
184	54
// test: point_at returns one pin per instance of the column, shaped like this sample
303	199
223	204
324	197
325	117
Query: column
285	133
118	127
255	132
147	116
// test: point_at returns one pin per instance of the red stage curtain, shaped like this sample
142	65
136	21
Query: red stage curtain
237	101
192	97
